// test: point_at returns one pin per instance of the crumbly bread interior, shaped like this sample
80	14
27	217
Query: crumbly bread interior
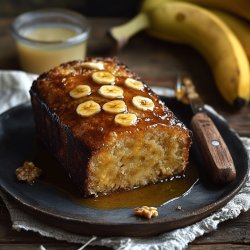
138	159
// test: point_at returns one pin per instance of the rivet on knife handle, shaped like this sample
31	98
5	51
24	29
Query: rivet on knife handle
213	149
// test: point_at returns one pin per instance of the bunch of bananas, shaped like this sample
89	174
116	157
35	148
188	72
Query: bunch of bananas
217	29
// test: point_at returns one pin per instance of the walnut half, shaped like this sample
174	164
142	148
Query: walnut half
28	172
146	212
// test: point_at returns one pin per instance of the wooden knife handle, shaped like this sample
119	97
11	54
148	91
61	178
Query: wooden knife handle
213	149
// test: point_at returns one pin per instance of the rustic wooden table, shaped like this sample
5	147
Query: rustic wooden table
158	63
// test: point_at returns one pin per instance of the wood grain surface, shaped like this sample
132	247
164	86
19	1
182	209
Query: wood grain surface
158	63
213	149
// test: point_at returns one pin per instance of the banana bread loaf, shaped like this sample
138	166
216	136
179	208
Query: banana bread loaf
106	127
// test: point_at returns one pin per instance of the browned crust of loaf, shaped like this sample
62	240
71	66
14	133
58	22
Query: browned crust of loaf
53	89
62	130
58	139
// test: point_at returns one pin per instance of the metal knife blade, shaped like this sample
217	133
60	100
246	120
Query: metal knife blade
163	91
211	144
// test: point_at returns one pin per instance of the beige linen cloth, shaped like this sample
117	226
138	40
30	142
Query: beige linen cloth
14	87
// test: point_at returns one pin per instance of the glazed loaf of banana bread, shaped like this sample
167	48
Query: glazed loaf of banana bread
106	127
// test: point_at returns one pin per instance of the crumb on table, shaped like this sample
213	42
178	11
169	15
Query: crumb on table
28	172
146	212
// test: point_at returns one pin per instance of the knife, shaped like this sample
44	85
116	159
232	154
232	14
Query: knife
212	147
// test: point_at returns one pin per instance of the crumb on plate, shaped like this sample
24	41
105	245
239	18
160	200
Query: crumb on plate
28	172
178	208
146	212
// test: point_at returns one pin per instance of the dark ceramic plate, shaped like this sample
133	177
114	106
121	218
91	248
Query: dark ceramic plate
53	206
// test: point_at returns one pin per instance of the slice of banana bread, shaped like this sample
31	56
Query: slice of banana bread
106	127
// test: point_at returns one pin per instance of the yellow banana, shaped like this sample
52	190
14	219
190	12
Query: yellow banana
203	30
237	7
240	28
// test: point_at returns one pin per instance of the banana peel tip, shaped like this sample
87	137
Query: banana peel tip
239	103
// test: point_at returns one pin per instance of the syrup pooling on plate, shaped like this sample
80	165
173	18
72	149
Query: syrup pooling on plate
151	195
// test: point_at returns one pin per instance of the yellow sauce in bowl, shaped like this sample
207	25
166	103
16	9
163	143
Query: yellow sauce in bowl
48	38
41	58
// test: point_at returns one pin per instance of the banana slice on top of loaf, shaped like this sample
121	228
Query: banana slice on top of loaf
106	127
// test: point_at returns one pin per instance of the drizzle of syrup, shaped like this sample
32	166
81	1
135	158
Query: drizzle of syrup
151	195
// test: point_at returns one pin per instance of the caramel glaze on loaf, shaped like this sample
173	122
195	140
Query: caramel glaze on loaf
99	155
